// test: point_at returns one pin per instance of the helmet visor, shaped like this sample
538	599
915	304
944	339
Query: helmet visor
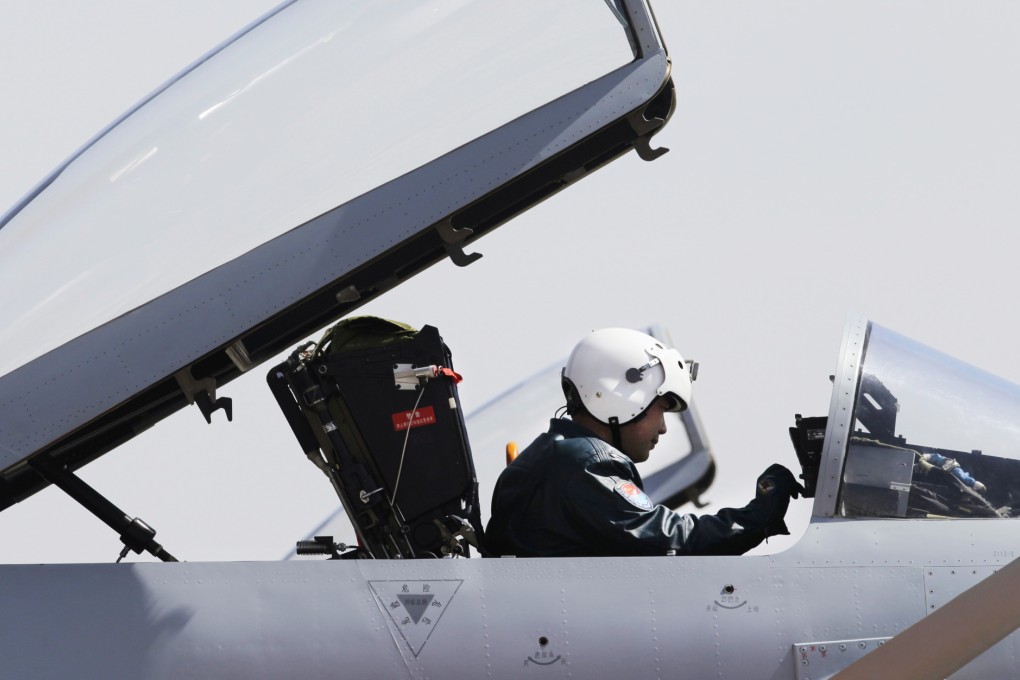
676	382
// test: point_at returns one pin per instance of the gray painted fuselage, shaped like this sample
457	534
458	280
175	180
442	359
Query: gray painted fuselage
729	617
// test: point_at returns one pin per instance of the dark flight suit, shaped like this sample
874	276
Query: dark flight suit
571	494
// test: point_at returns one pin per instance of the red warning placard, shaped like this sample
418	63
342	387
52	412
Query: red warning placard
425	415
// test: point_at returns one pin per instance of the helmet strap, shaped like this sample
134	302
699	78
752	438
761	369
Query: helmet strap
614	428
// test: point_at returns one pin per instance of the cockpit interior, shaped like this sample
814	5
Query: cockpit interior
929	437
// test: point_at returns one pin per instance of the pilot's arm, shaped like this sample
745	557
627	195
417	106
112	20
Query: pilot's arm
617	515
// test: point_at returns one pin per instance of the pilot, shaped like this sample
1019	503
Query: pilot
575	490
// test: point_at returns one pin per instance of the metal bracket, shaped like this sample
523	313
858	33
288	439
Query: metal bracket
238	354
822	660
203	393
453	241
461	530
409	376
646	127
348	295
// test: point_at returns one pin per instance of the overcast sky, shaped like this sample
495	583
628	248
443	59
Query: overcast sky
824	159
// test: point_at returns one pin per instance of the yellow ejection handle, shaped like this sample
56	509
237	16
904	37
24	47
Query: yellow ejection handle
511	452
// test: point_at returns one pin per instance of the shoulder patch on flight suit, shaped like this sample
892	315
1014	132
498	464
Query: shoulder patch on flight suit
634	495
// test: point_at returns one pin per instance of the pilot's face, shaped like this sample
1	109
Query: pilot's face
639	438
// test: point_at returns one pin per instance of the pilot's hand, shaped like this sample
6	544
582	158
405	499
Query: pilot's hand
777	480
776	486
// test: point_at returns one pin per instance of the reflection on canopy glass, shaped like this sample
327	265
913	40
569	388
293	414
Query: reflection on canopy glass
292	119
933	437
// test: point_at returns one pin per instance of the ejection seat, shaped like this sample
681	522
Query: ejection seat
374	405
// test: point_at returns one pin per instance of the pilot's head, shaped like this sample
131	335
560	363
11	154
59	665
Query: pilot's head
619	382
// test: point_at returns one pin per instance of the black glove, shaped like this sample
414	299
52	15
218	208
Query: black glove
775	487
779	481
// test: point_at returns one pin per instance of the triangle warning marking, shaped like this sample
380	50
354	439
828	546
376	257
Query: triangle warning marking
415	604
414	607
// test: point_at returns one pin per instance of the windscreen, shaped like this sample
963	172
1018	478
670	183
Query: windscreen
317	106
932	437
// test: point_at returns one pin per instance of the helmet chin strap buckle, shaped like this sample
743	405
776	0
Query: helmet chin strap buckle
635	375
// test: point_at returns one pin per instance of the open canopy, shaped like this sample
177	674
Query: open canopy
321	156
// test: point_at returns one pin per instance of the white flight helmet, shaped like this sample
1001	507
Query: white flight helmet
617	373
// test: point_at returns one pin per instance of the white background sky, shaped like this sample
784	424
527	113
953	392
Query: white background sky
824	158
